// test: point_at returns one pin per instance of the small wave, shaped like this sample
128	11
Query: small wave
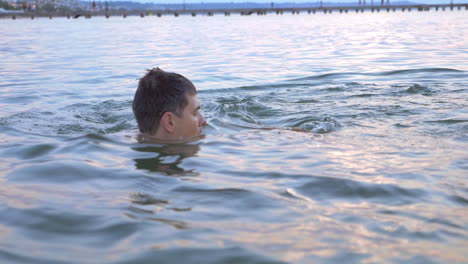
448	121
267	86
92	81
31	151
200	255
307	101
419	89
77	119
146	199
48	225
174	223
93	137
324	188
243	110
459	200
338	75
334	89
427	70
428	220
55	171
269	111
408	233
246	199
321	76
365	95
221	191
252	88
398	125
326	125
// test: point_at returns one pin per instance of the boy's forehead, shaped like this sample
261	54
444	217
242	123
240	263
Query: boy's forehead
193	101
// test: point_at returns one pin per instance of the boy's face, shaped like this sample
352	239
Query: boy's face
190	124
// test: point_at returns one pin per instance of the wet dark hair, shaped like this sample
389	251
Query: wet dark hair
159	92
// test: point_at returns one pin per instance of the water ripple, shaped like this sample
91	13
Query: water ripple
324	189
328	142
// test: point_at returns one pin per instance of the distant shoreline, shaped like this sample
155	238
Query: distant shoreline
241	11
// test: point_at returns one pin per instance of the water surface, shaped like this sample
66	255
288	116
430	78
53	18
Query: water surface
377	176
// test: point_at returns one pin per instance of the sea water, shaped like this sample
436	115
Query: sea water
374	170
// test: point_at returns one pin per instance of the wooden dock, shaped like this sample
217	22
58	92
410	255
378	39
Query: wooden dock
244	12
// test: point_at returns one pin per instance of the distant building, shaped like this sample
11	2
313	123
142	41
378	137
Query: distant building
56	3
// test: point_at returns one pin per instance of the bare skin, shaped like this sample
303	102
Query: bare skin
175	129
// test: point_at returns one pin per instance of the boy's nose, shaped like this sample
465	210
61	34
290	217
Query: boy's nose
202	121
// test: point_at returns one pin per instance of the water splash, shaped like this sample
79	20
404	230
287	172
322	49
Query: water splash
326	125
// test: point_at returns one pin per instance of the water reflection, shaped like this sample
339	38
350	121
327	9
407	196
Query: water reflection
167	158
145	206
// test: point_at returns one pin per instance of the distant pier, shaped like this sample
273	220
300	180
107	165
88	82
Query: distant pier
245	11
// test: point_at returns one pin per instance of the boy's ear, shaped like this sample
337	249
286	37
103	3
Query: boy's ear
167	122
